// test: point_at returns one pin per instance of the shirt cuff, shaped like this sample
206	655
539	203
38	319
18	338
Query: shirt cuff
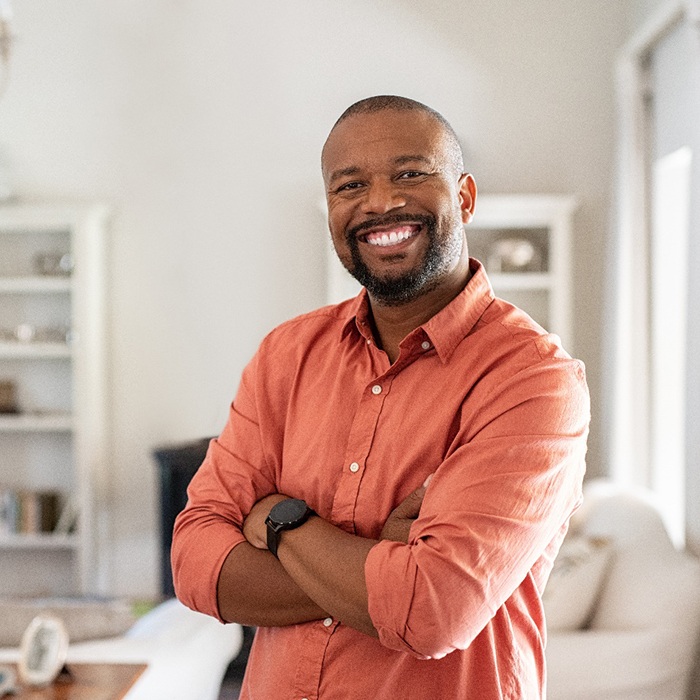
390	576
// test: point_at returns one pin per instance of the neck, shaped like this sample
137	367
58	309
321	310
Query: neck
392	323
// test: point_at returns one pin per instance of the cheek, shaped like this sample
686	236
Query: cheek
338	222
336	231
339	241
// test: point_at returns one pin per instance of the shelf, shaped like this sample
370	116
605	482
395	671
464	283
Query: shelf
34	350
39	541
512	281
35	285
33	217
36	423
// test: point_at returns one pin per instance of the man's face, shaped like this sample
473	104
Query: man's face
396	202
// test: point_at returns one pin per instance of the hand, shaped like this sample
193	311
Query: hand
254	527
399	522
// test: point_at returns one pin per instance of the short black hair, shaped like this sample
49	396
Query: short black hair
379	103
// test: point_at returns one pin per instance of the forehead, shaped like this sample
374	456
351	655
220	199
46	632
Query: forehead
363	140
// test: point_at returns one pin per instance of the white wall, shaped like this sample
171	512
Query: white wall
639	11
201	124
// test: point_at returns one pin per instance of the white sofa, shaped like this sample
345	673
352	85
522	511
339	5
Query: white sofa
187	653
638	640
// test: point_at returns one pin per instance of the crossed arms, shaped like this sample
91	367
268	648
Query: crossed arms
320	571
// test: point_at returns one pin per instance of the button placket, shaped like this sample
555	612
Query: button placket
358	447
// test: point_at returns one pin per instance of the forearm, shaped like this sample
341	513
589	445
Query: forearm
317	562
254	589
327	563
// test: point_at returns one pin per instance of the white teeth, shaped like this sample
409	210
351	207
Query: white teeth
389	238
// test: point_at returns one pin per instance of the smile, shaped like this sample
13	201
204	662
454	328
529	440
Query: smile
391	237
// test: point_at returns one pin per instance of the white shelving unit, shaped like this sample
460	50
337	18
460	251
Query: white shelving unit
544	222
52	354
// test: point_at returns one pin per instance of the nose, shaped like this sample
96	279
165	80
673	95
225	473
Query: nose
383	196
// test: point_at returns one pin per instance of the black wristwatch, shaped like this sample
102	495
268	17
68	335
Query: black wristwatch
285	515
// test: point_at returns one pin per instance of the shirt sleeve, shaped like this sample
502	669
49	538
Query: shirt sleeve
233	477
492	508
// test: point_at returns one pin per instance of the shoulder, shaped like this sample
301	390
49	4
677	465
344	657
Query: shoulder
297	336
524	382
513	346
320	320
512	329
294	344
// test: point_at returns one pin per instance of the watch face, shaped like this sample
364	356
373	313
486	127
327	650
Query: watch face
288	511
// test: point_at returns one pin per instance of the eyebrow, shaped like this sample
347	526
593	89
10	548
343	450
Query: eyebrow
400	160
344	172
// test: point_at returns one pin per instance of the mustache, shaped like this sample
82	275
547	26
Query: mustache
388	220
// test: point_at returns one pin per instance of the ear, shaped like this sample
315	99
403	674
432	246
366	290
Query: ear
467	197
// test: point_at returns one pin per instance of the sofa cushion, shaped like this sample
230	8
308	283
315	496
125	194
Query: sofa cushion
575	582
84	618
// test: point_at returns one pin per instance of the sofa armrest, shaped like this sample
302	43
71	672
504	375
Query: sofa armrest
630	665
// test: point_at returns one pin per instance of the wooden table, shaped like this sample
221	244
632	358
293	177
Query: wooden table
87	682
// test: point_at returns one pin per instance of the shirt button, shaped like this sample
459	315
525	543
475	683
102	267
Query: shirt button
328	622
425	345
354	467
376	389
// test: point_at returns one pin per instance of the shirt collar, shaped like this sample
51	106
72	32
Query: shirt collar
358	316
449	326
453	323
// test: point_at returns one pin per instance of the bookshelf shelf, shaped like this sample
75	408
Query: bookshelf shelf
32	350
39	541
30	284
520	281
36	423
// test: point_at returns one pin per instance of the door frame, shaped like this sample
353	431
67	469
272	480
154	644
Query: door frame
628	450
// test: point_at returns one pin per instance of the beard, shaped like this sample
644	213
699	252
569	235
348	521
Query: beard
393	290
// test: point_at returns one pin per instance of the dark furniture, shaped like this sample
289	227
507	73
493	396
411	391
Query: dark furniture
177	465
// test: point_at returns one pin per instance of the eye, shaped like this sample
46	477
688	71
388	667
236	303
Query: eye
349	186
410	174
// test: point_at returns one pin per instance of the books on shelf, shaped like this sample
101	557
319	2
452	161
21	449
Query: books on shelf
28	512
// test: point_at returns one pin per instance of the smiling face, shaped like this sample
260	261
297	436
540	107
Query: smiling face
397	202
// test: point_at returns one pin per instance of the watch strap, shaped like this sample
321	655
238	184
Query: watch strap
273	537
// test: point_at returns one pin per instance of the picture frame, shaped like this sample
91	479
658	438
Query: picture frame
43	650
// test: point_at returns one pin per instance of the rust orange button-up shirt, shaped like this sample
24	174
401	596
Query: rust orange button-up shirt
480	397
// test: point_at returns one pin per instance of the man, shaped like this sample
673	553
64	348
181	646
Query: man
416	452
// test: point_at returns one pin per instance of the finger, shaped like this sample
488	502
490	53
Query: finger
410	506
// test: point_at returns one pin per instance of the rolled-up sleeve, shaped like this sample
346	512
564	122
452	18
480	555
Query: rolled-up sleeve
505	490
233	477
